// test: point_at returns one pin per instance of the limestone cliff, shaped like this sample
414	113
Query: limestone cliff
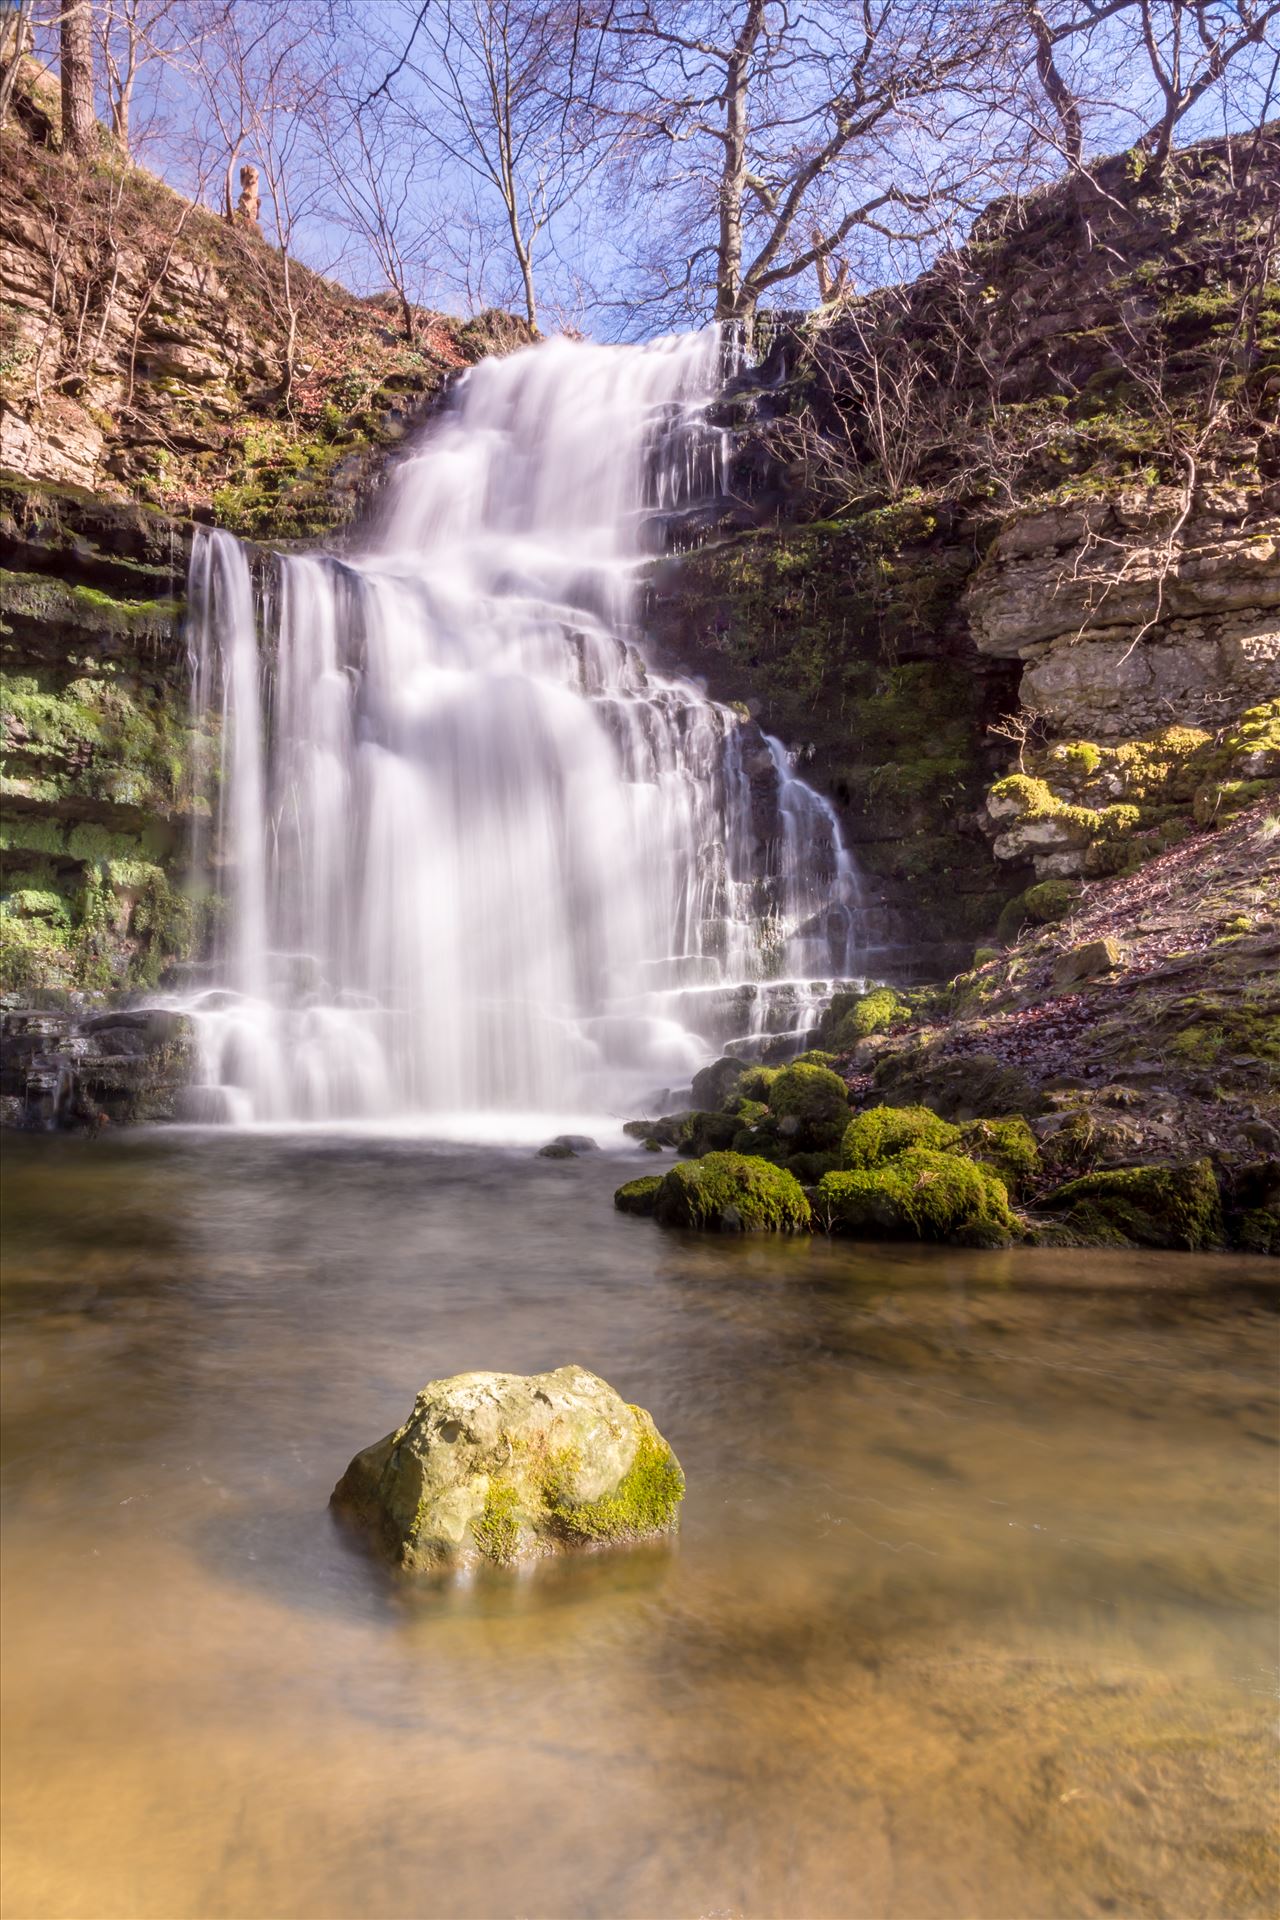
1003	557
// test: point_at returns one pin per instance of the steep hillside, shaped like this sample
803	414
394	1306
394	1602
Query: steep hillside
157	365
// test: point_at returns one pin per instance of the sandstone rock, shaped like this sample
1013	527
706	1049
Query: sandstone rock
504	1466
1088	962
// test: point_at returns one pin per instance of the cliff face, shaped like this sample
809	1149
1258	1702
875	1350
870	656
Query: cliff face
1005	563
152	351
155	366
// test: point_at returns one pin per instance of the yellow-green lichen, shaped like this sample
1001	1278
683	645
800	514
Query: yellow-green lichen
644	1503
497	1531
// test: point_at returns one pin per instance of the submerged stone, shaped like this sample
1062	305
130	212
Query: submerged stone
506	1466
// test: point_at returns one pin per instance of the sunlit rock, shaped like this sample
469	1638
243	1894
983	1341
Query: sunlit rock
502	1467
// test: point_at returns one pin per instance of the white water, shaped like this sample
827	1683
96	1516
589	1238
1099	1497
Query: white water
476	854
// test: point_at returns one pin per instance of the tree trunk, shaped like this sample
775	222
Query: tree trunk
1063	101
76	49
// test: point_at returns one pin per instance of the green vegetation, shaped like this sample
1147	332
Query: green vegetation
856	1016
497	1531
645	1502
1009	1146
920	1194
883	1132
1145	1206
732	1193
638	1196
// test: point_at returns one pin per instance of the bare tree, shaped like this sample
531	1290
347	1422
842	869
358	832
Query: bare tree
1151	61
379	180
131	35
76	51
775	134
15	43
509	90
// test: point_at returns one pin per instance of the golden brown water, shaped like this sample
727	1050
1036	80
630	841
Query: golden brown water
973	1612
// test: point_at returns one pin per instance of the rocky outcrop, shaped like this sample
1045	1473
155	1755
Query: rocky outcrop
98	777
1065	543
152	350
501	1467
84	1069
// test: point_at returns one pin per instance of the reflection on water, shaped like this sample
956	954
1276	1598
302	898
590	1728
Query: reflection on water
972	1612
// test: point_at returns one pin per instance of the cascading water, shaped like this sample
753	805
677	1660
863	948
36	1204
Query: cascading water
477	853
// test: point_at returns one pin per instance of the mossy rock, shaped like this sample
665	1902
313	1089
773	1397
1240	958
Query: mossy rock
811	1108
638	1196
501	1467
809	1168
921	1194
1008	1145
756	1082
1051	900
1258	1231
852	1017
1148	1206
881	1133
717	1085
957	1086
708	1132
732	1193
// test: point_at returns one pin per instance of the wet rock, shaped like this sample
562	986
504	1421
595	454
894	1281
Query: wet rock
732	1193
567	1146
1154	1206
503	1467
715	1085
638	1196
924	1193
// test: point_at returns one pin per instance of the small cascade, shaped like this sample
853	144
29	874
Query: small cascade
474	852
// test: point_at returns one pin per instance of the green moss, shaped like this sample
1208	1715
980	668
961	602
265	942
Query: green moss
919	1194
705	1132
732	1193
852	1017
756	1082
645	1502
1148	1206
811	1108
1008	1145
638	1196
497	1531
881	1133
1258	1231
1051	900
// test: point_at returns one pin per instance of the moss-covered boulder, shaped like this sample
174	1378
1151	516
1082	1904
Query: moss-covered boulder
504	1466
921	1194
716	1085
1008	1145
852	1017
638	1196
1146	1206
732	1193
882	1132
709	1132
810	1106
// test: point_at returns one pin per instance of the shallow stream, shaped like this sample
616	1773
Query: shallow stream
973	1611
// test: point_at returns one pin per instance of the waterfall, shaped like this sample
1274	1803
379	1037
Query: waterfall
474	851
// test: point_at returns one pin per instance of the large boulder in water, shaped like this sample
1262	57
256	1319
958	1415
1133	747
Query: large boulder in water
504	1466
